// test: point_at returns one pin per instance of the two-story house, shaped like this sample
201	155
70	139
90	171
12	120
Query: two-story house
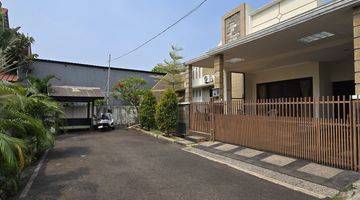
300	76
287	48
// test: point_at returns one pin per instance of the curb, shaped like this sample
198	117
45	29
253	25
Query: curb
175	140
33	177
293	183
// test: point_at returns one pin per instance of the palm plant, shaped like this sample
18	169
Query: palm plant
26	117
14	50
40	85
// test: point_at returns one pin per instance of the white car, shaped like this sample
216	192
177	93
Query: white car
105	122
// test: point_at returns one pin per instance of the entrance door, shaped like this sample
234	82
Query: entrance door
343	88
346	88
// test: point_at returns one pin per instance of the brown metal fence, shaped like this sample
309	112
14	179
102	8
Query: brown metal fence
324	130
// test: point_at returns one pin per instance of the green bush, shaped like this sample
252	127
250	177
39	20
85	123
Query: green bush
167	112
147	111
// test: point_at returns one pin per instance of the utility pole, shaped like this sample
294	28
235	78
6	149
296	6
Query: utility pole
108	82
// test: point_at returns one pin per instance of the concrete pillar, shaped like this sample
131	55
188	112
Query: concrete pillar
356	23
188	83
219	75
227	86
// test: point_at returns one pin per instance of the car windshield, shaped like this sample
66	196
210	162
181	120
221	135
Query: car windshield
104	116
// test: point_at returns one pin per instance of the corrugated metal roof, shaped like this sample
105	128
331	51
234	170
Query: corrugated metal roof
9	77
97	66
75	91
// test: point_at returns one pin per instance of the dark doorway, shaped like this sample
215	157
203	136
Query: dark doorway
341	90
346	88
286	89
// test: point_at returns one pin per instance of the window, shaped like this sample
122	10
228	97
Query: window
285	89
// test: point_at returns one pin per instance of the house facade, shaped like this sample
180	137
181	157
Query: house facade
298	65
285	49
202	84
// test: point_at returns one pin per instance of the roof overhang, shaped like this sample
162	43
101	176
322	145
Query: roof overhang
75	93
279	44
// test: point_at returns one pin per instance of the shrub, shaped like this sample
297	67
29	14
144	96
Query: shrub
147	111
167	112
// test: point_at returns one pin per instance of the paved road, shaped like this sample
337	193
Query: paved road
124	164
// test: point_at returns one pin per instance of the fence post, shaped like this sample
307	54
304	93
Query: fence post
353	121
212	122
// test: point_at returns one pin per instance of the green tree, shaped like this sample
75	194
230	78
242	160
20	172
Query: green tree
40	85
167	112
147	111
173	68
14	50
159	69
130	91
25	122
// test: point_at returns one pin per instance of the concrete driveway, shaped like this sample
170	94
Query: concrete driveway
124	164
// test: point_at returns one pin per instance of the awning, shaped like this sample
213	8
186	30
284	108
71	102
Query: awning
75	93
9	77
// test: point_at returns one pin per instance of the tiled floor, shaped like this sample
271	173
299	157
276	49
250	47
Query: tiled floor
320	174
320	170
278	160
249	153
208	144
226	147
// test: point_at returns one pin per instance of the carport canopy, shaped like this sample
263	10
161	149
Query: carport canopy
75	93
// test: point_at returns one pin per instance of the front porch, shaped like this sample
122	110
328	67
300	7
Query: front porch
298	86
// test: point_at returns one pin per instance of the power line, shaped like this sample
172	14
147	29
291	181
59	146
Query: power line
162	32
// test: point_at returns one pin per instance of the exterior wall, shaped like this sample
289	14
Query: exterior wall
201	89
5	17
356	27
279	11
219	75
75	110
334	72
286	73
237	85
198	76
87	76
188	83
201	94
234	24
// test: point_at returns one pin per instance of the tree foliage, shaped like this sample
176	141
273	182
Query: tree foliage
159	69
14	50
147	111
167	112
130	91
40	85
173	68
26	118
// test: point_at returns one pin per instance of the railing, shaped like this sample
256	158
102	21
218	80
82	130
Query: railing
324	130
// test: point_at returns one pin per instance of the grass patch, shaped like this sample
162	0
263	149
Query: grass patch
340	196
157	132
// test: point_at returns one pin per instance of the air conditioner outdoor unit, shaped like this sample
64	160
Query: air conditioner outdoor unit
208	79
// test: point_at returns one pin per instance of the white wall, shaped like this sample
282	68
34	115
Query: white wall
334	72
279	11
198	77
